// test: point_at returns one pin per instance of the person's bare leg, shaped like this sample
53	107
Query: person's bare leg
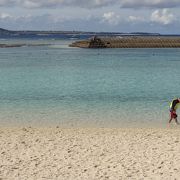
176	121
170	120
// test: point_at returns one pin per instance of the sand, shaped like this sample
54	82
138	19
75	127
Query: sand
94	153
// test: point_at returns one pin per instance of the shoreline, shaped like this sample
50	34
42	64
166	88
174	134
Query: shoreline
89	153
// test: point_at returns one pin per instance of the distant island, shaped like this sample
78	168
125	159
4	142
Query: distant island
4	33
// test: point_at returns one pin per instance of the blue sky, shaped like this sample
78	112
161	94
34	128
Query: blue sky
161	16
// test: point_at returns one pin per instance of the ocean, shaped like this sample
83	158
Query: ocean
55	85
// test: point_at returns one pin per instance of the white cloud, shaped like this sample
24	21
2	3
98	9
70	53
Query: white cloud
56	3
111	17
163	17
91	3
135	19
8	2
149	3
109	21
31	4
5	16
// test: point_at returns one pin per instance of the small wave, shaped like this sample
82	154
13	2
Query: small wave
59	46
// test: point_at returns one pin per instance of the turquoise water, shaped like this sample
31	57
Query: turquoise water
57	85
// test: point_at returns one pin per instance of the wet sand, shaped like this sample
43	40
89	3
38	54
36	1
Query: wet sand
94	153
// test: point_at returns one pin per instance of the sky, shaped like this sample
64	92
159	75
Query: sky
153	16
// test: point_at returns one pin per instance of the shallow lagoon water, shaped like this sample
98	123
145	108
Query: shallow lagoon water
57	85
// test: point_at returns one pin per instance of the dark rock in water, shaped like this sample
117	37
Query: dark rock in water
20	45
11	45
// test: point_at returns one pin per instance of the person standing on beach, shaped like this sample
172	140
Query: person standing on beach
173	107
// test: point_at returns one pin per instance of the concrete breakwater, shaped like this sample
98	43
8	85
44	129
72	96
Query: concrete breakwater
129	42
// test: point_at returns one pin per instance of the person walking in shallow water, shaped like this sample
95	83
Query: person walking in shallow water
173	107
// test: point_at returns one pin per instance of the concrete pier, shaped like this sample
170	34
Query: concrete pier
130	42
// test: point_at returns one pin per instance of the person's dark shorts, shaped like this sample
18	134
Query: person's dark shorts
173	113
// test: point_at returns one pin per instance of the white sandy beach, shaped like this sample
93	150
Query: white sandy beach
94	153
